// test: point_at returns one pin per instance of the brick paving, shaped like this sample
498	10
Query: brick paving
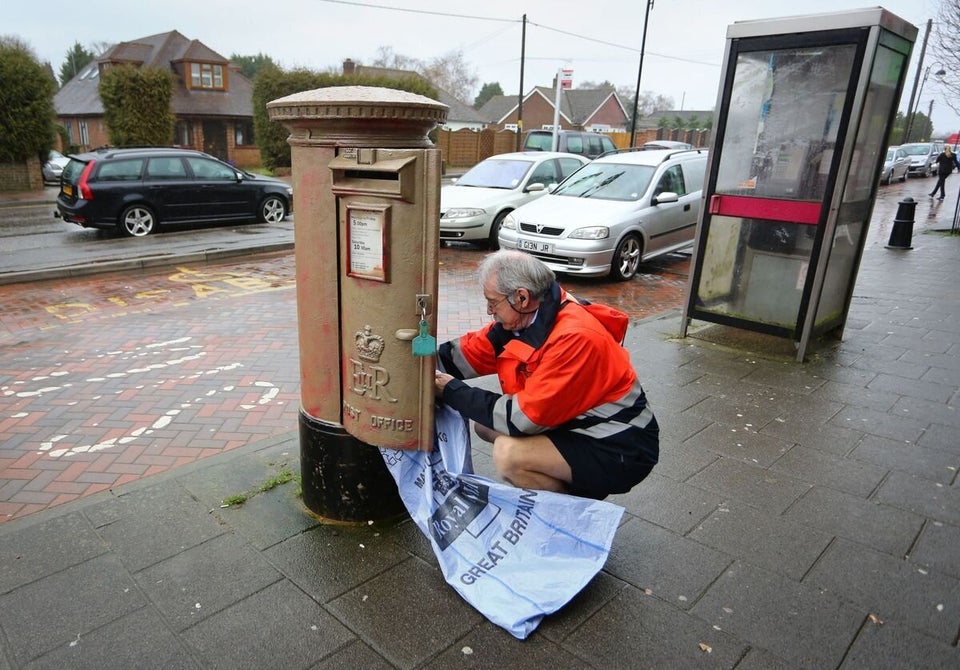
110	379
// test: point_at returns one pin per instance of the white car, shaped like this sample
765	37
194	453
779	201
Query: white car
473	207
613	213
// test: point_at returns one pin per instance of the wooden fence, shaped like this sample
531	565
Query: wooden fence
465	148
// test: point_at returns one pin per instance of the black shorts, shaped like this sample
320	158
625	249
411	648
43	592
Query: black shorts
600	467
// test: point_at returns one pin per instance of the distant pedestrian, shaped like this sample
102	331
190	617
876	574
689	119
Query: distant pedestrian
946	161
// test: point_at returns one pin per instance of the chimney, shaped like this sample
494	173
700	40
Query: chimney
349	66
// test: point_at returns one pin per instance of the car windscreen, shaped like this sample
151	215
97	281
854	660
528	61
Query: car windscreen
539	142
916	149
890	153
608	181
494	173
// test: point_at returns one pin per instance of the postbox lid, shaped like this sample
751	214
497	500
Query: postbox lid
351	115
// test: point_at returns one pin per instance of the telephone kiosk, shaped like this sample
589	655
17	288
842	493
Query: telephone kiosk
803	112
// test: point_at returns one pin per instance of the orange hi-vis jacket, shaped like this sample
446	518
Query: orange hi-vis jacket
566	370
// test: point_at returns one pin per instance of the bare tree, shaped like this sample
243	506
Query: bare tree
386	57
945	53
453	74
450	71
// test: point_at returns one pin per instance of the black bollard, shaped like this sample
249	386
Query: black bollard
902	233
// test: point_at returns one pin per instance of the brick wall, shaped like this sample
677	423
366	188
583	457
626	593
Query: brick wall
25	176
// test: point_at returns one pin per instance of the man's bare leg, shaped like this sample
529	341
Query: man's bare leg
531	462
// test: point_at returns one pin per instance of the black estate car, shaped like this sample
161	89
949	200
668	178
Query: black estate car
138	190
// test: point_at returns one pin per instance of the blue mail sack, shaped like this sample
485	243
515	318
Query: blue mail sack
514	554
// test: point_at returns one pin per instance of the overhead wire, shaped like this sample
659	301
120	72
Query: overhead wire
529	22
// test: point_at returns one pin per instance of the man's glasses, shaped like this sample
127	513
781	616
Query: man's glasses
493	304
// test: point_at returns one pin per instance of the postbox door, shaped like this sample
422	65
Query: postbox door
388	212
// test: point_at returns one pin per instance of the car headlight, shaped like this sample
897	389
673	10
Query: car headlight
462	213
509	222
590	233
290	191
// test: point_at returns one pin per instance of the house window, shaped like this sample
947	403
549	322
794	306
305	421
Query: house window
84	133
205	75
243	133
181	134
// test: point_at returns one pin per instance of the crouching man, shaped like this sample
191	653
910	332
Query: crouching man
572	416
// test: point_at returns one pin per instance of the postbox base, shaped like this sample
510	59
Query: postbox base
344	479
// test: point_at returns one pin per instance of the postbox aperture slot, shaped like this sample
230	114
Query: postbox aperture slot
389	178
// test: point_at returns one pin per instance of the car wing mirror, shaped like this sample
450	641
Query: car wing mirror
665	197
534	188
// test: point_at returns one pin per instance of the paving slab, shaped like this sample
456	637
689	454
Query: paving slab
99	589
890	646
869	522
205	579
801	624
675	569
890	587
637	628
921	496
769	541
379	612
296	634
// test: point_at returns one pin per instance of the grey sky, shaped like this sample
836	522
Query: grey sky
684	49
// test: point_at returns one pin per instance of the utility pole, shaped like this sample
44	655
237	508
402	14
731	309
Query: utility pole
916	80
523	50
636	96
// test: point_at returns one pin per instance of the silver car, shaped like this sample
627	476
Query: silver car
53	167
473	207
896	165
613	213
923	157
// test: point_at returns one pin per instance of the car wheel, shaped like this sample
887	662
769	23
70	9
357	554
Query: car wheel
273	209
885	179
137	221
903	177
492	242
626	259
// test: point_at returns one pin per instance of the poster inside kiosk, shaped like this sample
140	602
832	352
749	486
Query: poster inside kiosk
366	241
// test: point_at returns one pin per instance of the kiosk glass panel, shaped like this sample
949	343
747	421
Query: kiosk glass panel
785	109
855	209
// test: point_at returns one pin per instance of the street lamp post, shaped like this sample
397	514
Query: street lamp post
913	114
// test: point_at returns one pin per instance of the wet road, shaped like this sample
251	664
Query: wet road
111	378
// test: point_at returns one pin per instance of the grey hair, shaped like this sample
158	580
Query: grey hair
515	269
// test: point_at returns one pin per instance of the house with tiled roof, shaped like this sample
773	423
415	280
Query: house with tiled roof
212	102
598	110
460	114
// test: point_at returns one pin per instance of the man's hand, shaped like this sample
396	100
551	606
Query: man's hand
440	382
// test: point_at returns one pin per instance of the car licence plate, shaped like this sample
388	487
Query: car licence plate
535	246
67	189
